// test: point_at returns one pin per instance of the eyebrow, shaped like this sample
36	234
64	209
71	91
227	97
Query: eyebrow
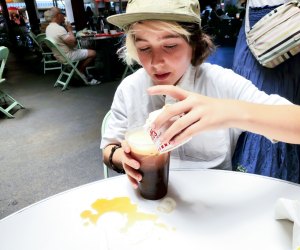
137	39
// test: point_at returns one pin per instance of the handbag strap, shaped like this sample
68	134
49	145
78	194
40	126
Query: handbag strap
247	22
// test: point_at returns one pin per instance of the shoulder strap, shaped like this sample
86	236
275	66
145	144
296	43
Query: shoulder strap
247	22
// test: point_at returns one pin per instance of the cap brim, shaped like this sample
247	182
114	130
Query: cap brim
123	20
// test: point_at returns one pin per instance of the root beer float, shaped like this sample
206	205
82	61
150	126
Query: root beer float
154	165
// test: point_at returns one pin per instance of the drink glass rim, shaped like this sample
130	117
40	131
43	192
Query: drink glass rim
144	145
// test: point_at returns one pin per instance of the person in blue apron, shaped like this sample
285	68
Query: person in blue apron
254	153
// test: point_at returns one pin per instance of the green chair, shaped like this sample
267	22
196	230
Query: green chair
84	44
129	69
125	73
40	36
49	61
7	102
69	69
103	127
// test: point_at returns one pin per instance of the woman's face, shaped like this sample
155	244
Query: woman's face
165	55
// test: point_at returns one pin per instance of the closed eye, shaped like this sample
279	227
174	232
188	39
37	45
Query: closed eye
170	46
144	49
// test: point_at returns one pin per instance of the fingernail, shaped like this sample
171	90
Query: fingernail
137	164
162	139
173	142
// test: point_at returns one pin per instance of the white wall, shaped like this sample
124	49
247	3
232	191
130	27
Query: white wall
69	11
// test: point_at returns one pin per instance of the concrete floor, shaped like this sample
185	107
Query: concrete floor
53	144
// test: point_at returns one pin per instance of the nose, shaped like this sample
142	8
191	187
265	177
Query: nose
157	58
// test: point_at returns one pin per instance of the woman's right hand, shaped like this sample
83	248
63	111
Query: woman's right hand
130	166
201	113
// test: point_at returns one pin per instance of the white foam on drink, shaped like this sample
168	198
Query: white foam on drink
141	143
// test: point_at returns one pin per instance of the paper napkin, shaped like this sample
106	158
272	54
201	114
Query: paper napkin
290	210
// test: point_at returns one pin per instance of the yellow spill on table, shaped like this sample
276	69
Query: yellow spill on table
121	205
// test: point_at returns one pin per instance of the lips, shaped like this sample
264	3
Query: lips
162	76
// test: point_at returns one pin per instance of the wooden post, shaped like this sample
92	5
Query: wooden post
79	14
121	7
5	12
33	15
8	22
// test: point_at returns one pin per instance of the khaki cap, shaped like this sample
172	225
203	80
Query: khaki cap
165	10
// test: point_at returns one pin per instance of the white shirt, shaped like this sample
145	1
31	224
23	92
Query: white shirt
58	34
132	105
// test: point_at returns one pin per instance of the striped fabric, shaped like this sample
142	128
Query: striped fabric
276	37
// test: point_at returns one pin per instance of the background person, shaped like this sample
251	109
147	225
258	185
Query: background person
89	15
18	20
255	153
63	35
19	29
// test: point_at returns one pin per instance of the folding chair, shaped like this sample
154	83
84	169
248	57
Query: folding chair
49	61
103	127
7	101
128	68
69	67
40	36
86	43
125	73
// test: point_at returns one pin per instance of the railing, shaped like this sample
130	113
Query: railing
42	5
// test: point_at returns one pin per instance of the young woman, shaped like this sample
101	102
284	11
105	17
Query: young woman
165	38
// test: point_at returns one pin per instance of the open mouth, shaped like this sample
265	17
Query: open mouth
162	76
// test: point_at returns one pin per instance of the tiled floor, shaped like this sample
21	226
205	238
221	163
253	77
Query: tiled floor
53	144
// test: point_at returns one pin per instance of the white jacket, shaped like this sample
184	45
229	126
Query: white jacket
214	149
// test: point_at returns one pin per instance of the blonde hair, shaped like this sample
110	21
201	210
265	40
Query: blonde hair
200	42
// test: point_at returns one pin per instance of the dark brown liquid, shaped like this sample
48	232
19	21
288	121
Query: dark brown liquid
155	172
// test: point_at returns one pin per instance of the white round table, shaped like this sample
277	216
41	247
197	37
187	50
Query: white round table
214	209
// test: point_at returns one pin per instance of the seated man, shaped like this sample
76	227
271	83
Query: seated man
63	36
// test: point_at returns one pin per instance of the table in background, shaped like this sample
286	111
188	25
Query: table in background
215	210
107	62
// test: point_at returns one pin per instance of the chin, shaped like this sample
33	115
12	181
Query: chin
155	82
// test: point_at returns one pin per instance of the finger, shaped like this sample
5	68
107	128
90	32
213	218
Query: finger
173	91
179	126
169	111
200	124
189	132
133	182
125	147
129	161
133	173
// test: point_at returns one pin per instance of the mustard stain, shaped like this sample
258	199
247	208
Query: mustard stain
121	205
